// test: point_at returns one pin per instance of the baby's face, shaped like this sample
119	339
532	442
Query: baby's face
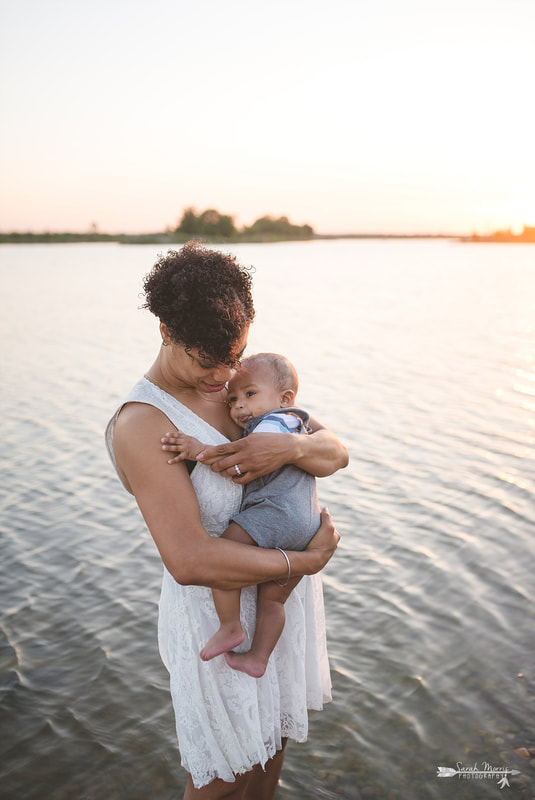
251	392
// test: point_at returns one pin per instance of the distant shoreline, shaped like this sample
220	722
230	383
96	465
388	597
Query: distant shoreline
500	237
173	238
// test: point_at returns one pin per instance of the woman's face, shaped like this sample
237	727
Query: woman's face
194	369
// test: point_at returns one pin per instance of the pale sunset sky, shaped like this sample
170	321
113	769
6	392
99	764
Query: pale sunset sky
349	115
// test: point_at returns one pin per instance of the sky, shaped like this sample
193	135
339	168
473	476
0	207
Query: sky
350	115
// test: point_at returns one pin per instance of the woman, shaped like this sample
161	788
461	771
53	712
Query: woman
231	728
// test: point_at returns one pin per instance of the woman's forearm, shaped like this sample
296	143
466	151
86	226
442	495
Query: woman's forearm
320	454
224	564
220	563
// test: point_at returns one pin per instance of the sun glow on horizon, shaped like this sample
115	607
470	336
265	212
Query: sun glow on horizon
522	210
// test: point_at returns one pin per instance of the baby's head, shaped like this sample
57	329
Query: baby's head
262	383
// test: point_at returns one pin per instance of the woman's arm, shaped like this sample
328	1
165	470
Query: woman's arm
167	500
320	454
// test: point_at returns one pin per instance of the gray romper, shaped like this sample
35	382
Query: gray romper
281	509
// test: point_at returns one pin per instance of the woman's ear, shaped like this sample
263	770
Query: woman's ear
164	333
287	398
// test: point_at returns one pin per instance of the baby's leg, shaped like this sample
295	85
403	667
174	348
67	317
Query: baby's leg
270	619
227	605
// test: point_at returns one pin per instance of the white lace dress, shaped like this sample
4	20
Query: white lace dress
226	721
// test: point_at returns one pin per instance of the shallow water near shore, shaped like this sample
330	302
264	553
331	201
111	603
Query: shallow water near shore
421	356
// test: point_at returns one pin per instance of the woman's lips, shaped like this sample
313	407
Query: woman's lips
215	387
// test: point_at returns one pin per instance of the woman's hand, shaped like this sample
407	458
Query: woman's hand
319	454
256	455
318	551
324	542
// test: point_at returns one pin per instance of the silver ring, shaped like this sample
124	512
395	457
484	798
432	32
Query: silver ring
237	469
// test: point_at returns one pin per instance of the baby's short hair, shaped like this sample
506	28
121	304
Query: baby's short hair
282	371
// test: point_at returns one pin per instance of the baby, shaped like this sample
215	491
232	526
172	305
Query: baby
278	510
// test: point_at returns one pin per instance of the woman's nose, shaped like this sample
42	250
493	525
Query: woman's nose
221	374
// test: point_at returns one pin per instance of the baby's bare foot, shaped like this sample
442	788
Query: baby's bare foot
221	642
246	662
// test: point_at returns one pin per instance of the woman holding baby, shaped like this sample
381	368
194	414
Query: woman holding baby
231	727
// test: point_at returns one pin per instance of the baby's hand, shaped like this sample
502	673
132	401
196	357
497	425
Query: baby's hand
187	447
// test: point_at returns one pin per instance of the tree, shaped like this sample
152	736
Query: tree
210	224
266	228
217	225
189	223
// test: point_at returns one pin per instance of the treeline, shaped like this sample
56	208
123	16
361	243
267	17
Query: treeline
54	238
210	224
207	226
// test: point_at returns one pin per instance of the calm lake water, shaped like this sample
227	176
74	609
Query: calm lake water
421	356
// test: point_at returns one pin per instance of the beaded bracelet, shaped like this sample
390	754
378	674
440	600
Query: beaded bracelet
289	568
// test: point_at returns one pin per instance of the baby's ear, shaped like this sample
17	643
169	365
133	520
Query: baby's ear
287	398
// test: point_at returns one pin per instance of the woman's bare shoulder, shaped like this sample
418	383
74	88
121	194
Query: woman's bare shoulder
139	417
136	439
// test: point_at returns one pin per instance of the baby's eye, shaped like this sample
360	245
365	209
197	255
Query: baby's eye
250	393
230	400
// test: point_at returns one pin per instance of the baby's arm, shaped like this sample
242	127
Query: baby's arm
187	447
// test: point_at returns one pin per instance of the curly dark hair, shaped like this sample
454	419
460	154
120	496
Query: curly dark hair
204	299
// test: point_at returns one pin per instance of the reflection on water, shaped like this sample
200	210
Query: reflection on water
421	355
